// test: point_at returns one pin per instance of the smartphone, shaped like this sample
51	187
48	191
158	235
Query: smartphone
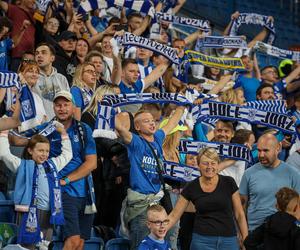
122	27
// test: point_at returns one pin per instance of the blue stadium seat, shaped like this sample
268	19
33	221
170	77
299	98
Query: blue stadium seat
7	210
117	244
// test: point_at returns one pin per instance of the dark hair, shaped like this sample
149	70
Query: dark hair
32	143
114	20
105	35
284	196
262	86
207	73
134	14
86	41
267	67
51	48
227	123
297	97
5	22
127	61
93	53
241	136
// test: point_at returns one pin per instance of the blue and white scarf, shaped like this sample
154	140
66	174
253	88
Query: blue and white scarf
86	96
179	172
107	107
185	21
232	151
277	106
29	232
42	5
144	7
219	62
28	110
252	18
9	79
277	52
228	111
168	5
130	39
220	42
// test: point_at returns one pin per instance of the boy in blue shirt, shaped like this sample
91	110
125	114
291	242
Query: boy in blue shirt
157	220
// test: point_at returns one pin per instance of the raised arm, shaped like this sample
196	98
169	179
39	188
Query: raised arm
220	85
173	121
179	5
122	129
234	16
10	160
143	27
155	74
4	6
17	38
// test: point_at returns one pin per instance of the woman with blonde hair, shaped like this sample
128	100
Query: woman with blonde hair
84	84
217	202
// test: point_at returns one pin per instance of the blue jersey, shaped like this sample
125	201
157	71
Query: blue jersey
249	85
152	244
81	97
5	46
75	188
280	89
143	175
138	87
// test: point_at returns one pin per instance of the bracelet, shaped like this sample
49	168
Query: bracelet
67	180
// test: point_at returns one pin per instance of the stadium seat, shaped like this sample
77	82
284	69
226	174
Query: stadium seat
117	244
7	210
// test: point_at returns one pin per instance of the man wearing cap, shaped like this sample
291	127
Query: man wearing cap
145	183
77	186
66	59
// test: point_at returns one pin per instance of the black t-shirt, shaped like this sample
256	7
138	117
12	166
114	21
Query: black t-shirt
214	210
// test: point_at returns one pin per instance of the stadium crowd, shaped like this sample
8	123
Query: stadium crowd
115	112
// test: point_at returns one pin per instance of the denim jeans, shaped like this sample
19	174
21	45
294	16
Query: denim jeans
138	230
172	235
201	242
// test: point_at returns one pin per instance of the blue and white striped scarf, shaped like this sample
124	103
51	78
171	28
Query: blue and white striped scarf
9	79
228	111
185	21
180	172
252	18
42	5
144	7
222	42
107	107
130	39
277	106
232	151
277	52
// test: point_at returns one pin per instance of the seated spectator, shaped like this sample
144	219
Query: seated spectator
280	231
157	220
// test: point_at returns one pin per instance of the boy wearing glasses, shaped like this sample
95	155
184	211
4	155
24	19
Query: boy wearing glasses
157	220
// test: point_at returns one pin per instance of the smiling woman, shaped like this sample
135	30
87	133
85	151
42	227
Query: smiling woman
216	199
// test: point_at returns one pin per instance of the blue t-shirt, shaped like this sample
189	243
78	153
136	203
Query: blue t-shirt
138	87
280	89
148	243
75	188
5	46
249	85
261	184
143	175
81	97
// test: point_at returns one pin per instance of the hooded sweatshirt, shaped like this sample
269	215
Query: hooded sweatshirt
280	231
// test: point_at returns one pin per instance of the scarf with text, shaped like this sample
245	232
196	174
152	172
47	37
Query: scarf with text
228	111
179	172
107	107
228	150
139	41
185	21
29	231
218	62
256	19
220	42
144	7
277	52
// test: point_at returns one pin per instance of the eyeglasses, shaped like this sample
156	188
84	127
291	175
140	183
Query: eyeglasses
53	24
90	71
160	223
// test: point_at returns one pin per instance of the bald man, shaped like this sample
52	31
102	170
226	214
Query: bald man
261	181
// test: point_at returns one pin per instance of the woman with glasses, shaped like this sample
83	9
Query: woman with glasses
217	203
84	84
49	31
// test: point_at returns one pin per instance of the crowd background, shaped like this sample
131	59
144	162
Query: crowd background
67	61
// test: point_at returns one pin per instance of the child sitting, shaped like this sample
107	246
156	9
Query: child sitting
280	231
157	220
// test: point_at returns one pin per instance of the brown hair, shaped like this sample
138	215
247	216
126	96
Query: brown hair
241	136
284	196
32	143
155	208
25	66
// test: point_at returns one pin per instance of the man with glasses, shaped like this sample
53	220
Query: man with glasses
66	59
157	220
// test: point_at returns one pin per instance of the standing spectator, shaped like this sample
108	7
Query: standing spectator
106	50
144	178
66	59
260	183
50	81
18	14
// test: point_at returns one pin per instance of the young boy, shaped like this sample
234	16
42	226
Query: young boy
157	220
280	231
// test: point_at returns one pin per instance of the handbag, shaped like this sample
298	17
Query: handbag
165	201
